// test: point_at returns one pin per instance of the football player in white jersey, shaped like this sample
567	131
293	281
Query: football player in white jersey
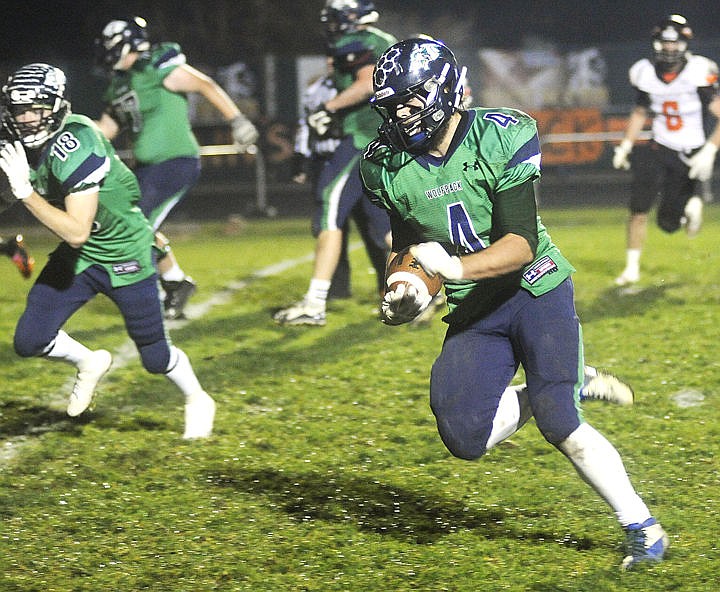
675	90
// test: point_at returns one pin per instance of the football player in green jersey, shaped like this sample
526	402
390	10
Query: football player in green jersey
147	98
67	174
354	45
459	185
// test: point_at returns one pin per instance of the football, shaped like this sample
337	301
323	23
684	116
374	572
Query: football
405	268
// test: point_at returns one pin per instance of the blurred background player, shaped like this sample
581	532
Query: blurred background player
674	89
509	288
15	249
354	46
310	154
86	196
147	98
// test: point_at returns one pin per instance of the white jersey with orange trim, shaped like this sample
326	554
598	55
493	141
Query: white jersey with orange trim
676	105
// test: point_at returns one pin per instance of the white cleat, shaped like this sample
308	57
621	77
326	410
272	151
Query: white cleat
628	276
605	387
693	216
199	416
302	313
90	371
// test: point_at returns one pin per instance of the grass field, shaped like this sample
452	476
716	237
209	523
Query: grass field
325	472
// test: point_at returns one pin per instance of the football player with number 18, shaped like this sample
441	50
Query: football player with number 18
459	185
67	174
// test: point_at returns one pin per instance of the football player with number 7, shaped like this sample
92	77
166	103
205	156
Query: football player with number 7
459	185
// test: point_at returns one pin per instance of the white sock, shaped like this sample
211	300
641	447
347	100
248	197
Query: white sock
632	259
599	464
318	291
174	274
512	413
181	373
65	349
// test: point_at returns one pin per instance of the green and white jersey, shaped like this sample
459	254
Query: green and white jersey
156	118
351	52
79	158
451	201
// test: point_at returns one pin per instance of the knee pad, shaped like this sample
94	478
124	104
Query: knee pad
27	348
29	340
155	357
461	441
668	224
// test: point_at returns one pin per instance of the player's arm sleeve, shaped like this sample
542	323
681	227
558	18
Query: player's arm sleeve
403	235
515	211
642	99
707	94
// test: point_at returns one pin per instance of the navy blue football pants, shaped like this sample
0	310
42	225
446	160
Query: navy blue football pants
478	361
164	185
58	293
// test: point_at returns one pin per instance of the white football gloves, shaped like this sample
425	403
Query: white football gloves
244	133
13	162
403	304
436	260
620	157
320	121
702	162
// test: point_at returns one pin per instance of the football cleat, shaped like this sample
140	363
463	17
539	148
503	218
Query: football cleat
693	216
628	276
199	416
605	387
15	249
644	543
302	313
90	371
177	294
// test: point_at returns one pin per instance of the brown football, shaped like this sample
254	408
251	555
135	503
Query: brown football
405	268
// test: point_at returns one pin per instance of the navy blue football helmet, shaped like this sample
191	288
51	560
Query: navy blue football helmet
119	38
673	28
35	87
344	16
416	68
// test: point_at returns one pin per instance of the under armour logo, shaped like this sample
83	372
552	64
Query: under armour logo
474	166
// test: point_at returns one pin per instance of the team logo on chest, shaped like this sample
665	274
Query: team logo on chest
446	189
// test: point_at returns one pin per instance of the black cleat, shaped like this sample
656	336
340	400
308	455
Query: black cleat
177	295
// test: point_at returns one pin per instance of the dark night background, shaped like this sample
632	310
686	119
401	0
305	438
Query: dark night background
215	33
223	31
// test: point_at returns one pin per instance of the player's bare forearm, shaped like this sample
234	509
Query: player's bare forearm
506	255
72	225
